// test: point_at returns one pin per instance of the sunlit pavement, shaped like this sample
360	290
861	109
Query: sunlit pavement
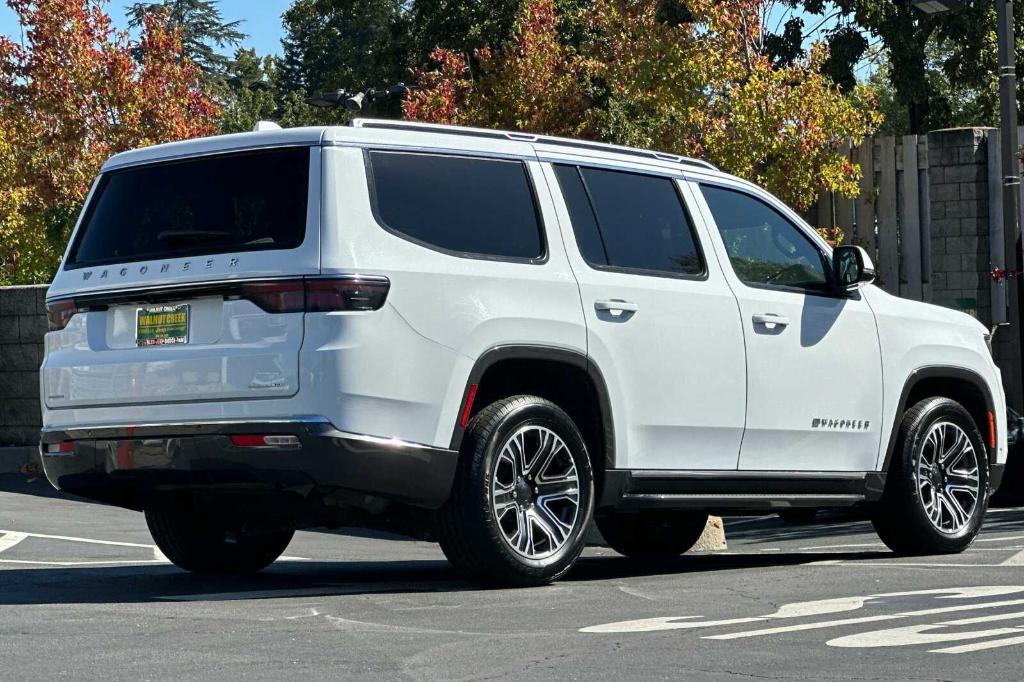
84	593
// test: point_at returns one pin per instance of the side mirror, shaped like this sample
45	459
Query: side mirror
852	267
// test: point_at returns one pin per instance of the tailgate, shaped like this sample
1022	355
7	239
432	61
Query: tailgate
180	281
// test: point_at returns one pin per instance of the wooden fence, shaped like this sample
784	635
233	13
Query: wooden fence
890	217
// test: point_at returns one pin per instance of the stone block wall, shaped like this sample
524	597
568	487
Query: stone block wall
22	328
959	204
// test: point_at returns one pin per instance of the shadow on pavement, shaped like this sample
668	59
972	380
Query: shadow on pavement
141	583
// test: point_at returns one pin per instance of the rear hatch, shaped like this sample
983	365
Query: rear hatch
183	281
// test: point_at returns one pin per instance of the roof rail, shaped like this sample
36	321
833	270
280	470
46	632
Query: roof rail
529	137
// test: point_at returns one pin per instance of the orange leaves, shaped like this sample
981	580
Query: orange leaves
74	95
443	93
533	82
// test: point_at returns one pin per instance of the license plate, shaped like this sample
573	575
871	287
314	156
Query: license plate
163	326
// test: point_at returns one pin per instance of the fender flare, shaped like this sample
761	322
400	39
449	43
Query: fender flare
566	356
937	372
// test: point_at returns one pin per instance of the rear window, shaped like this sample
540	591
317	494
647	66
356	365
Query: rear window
461	205
227	203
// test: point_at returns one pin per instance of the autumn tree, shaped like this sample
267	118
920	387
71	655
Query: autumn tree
71	96
699	82
533	82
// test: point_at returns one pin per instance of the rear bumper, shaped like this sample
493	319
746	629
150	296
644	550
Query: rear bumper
122	465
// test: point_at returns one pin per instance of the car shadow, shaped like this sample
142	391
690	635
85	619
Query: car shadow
164	583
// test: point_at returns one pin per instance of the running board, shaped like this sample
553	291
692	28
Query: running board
748	490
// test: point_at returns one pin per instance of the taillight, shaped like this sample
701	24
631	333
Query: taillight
59	313
259	440
276	297
62	448
318	295
352	293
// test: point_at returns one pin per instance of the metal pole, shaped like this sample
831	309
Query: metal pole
1011	166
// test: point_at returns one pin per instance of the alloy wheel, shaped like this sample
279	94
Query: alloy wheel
948	477
535	493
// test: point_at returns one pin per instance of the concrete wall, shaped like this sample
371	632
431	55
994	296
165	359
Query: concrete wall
22	327
958	197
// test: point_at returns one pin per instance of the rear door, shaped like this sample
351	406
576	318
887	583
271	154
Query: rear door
662	324
182	279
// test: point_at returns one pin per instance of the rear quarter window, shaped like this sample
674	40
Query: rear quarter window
225	203
463	206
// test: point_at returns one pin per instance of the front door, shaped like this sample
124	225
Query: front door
814	375
663	326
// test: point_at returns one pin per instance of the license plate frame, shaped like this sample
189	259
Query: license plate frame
165	325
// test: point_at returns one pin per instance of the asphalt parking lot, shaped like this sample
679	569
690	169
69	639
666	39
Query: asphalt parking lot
85	594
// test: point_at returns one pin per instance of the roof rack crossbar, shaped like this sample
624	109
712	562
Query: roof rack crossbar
530	137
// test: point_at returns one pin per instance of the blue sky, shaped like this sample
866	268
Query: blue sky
261	20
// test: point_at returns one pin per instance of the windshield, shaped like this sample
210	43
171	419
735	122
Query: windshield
214	204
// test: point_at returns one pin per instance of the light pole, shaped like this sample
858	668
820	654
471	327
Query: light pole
1009	150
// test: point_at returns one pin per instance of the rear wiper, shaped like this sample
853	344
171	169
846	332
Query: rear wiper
191	235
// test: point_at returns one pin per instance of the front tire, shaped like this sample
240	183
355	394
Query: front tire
523	495
194	543
936	491
652	535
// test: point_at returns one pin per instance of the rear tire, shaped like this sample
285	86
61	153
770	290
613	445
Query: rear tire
191	542
512	518
652	535
936	490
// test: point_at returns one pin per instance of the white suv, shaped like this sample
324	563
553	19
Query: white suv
489	339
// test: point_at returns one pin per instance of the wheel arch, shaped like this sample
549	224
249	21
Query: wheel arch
965	386
564	376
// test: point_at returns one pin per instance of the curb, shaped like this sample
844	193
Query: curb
18	460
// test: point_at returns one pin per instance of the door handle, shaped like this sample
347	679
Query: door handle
771	320
616	307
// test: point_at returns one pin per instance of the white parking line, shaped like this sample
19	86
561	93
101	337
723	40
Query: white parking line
73	539
980	646
10	539
859	545
65	564
865	619
1000	538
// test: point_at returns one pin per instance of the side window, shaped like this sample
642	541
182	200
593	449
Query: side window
460	204
629	221
765	248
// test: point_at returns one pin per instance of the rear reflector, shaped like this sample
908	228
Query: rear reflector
467	410
252	440
991	430
63	448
